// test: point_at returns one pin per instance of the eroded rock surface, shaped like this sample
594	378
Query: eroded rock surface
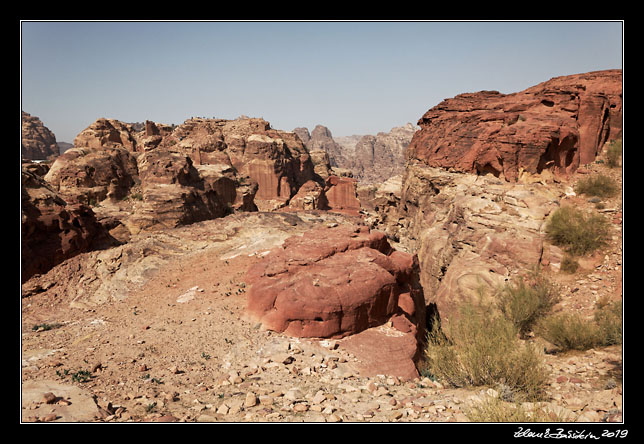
554	127
334	282
38	142
53	230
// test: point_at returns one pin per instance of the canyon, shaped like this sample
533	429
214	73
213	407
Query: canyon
224	270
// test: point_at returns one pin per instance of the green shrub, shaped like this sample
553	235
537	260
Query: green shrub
573	332
579	233
528	300
596	185
614	153
482	349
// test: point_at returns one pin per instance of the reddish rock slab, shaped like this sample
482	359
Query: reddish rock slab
334	282
557	126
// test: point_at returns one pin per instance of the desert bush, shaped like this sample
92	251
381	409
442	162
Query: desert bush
496	410
614	153
570	331
524	302
480	349
579	233
569	264
596	185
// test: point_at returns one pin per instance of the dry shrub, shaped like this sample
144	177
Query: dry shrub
525	302
496	410
570	331
597	185
579	233
482	349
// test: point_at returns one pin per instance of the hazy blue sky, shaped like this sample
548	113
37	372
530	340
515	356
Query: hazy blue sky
353	77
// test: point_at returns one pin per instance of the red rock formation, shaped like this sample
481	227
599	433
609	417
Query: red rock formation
52	230
341	194
38	142
276	160
334	282
556	125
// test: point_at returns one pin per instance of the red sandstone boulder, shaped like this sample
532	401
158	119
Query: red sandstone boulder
334	282
344	282
555	126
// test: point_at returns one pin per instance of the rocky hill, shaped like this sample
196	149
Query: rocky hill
240	280
38	142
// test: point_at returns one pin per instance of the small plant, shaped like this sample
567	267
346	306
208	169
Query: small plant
45	327
569	264
205	355
597	185
150	407
528	300
81	376
496	410
579	233
614	153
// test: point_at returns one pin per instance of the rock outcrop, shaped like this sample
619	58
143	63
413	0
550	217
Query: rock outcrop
38	142
53	230
90	175
341	194
552	127
334	282
107	133
471	233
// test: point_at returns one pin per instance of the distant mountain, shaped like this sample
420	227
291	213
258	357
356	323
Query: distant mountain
371	159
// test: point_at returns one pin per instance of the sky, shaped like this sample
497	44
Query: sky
354	77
